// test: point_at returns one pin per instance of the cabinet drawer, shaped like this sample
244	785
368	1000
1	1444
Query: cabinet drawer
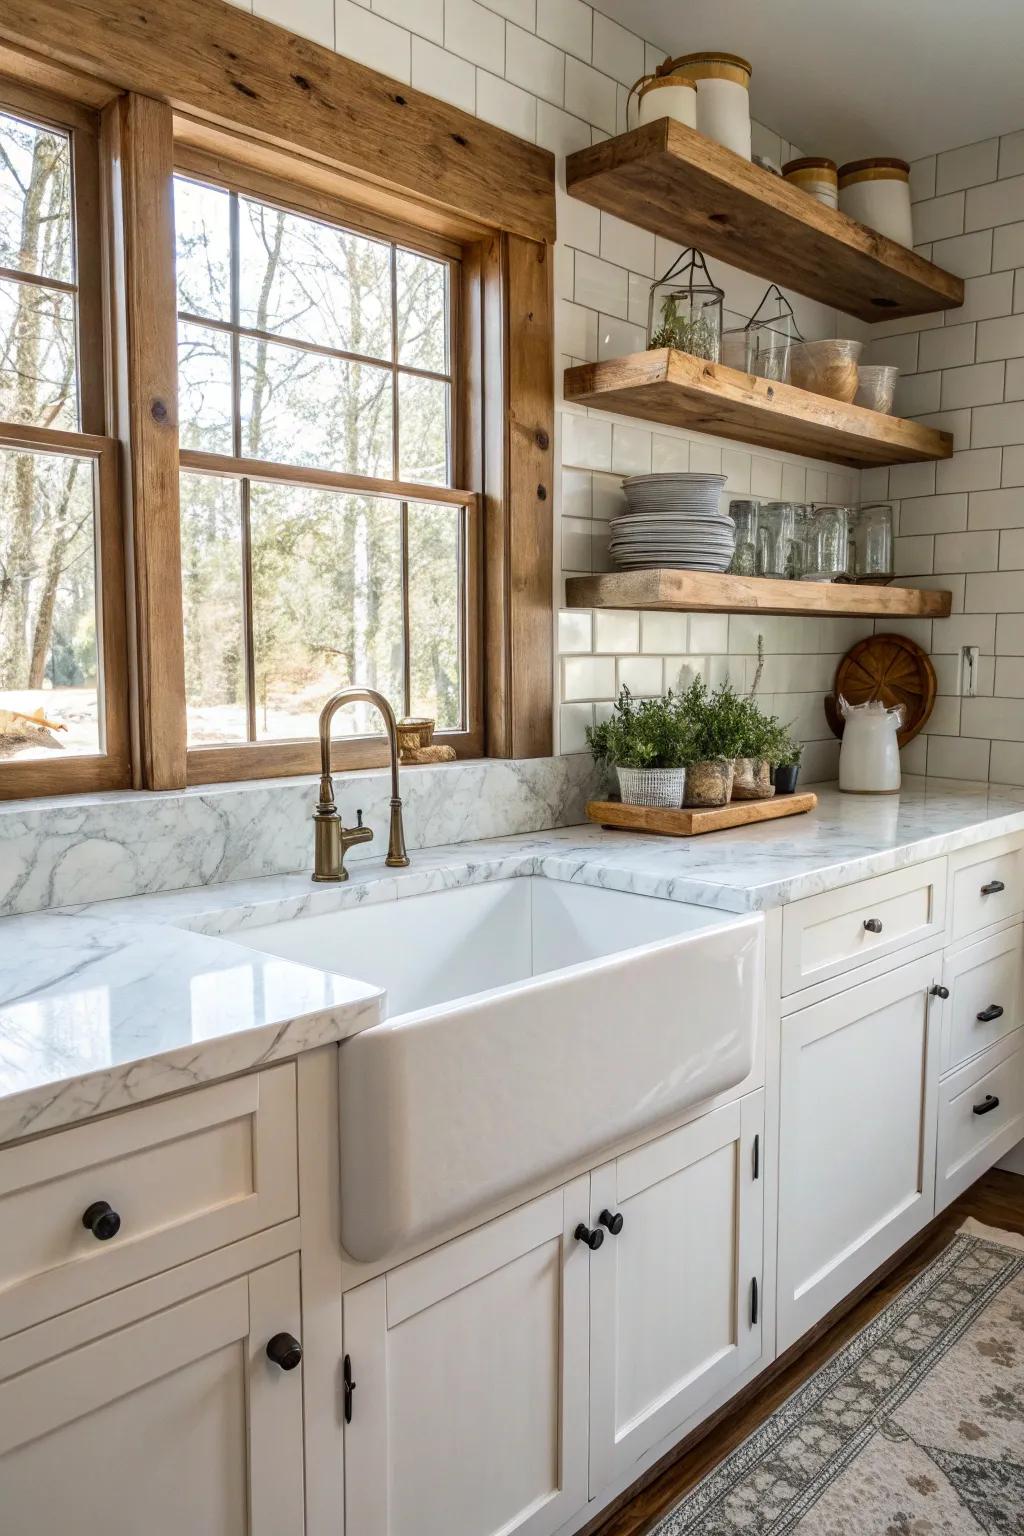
184	1177
826	935
983	982
981	1116
987	886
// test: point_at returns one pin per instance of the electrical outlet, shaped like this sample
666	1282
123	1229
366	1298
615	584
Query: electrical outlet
970	659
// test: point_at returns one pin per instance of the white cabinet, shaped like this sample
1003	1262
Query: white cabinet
674	1310
857	1138
984	1004
981	1116
174	1422
469	1413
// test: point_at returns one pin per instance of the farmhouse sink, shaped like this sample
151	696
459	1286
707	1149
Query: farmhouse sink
531	1024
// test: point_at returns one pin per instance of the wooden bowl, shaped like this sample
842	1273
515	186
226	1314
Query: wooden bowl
890	668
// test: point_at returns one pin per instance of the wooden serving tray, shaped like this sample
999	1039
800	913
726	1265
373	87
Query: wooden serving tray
690	823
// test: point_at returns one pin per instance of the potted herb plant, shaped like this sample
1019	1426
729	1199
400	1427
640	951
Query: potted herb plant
647	743
717	721
761	738
787	763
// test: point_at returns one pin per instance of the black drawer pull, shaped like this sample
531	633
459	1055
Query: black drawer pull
754	1308
101	1220
285	1350
987	1105
993	1011
613	1221
939	991
593	1239
873	924
993	888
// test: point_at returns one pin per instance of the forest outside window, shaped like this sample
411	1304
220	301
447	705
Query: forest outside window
323	540
62	690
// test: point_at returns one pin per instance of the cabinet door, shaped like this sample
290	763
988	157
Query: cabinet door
857	1151
674	1294
176	1423
469	1411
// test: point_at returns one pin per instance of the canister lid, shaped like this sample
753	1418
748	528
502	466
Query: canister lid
882	168
652	85
808	163
706	66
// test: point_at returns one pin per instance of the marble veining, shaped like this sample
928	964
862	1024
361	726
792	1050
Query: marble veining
107	1003
97	1014
103	846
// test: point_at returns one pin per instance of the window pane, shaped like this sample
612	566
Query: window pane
304	408
202	227
211	583
422	288
435	602
423	429
313	282
38	383
327	606
204	388
35	200
48	633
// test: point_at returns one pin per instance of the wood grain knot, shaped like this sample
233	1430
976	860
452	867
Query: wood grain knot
460	140
244	90
542	493
158	411
542	440
399	101
719	218
302	82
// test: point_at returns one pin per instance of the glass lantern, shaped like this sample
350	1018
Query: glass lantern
685	309
770	332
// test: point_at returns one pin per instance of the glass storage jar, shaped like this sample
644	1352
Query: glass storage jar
828	544
685	309
779	551
744	556
872	542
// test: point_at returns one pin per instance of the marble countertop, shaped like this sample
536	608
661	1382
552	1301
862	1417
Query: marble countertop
111	1003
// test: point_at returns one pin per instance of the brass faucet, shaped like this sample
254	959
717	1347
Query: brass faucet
332	839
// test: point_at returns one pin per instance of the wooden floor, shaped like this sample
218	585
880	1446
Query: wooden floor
997	1199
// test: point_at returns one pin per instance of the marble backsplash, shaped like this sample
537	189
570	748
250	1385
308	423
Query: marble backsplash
85	848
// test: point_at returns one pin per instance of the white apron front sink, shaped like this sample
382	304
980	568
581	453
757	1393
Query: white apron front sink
532	1024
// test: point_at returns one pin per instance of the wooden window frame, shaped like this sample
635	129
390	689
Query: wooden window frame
217	762
110	766
209	78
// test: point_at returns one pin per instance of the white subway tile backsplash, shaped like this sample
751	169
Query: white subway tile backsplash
1009	635
669	453
1013	388
995	592
476	34
709	632
922	178
618	338
627	246
1013	466
1000	338
1011	154
373	40
443	74
992	425
964	629
987	296
948	348
577	545
1006	765
577	493
1008	247
573	721
506	106
977	384
912	480
705	459
587	442
1011	549
1001	202
577	330
938	217
535	65
522	12
917	393
956	552
966	255
933	514
568	24
588	677
736	466
609	497
644	676
590	94
958	757
896	351
425	17
996	509
575	631
662	633
972	469
631	450
308	18
601	286
765	477
618	52
913	556
970	166
616	630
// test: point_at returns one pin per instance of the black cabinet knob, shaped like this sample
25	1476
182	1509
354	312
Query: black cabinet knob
101	1220
612	1222
987	1105
285	1350
873	924
993	1011
993	888
592	1237
940	991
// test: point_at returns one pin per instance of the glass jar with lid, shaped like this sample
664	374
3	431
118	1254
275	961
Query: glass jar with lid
828	544
779	540
744	557
685	309
872	542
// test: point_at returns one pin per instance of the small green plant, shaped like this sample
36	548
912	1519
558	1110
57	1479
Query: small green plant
719	720
789	751
696	334
645	733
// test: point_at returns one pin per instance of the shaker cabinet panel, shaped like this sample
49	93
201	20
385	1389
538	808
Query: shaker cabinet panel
470	1364
984	1004
674	1313
857	1156
175	1423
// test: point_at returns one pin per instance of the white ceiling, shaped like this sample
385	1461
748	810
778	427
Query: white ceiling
896	77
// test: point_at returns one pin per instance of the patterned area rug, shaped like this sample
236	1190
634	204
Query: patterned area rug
916	1427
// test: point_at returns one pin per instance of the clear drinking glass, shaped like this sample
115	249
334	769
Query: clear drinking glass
872	539
778	540
829	542
745	515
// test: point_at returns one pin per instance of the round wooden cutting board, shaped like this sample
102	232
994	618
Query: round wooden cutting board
889	668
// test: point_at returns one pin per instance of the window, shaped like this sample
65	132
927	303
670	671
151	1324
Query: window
324	542
62	651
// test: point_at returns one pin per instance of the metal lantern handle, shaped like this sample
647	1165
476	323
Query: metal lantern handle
691	261
786	306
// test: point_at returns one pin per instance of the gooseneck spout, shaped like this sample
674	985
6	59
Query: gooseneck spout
332	839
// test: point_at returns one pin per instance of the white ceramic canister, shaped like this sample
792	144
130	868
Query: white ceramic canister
723	97
816	176
869	758
877	193
668	96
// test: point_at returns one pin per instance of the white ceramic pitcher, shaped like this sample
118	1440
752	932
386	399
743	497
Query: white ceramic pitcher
869	759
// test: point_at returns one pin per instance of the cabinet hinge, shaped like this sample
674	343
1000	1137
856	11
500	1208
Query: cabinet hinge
757	1156
349	1387
753	1302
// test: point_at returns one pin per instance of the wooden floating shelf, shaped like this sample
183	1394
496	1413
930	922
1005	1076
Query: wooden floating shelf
683	391
701	592
680	184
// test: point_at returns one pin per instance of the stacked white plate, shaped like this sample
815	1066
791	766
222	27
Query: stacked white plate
673	520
